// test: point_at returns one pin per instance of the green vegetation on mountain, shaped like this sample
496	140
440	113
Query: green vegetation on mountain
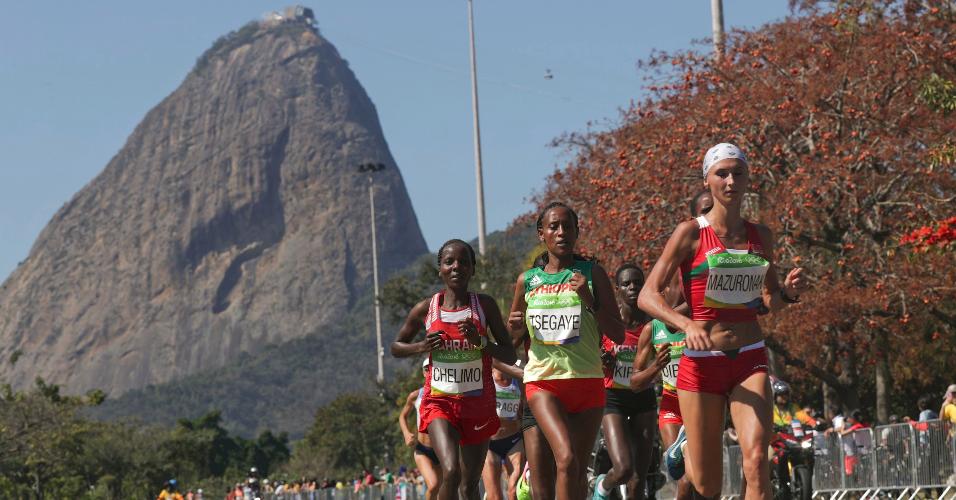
284	385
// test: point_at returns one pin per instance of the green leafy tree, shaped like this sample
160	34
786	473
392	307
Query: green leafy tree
268	451
49	449
201	447
401	292
355	431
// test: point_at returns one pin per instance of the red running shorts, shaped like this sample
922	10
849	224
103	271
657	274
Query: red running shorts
575	394
473	426
717	372
669	413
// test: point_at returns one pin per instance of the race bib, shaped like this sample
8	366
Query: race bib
623	366
735	281
507	405
555	319
669	373
456	373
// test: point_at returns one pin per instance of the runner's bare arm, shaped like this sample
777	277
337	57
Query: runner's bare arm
679	247
403	418
794	283
510	370
683	309
674	294
502	348
516	324
608	315
519	340
414	323
644	370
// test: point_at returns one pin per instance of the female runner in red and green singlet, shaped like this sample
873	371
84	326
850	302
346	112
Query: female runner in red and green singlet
565	306
458	403
726	265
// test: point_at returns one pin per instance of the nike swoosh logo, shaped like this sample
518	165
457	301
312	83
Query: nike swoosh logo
477	428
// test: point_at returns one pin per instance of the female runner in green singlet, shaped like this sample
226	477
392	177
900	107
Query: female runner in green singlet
565	306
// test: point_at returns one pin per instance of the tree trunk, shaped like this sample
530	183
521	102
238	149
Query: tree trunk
828	405
831	405
849	379
882	377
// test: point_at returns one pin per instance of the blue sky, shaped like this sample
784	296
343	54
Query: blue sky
76	78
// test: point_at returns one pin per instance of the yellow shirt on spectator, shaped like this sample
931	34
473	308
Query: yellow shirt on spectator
783	416
949	413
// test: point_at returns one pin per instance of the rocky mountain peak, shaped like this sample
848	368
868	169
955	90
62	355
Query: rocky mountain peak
232	218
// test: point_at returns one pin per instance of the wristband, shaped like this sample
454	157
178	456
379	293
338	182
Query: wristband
788	300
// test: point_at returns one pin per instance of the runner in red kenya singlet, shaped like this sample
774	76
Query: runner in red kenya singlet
458	403
629	415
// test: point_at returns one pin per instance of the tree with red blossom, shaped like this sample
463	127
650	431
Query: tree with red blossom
925	238
846	115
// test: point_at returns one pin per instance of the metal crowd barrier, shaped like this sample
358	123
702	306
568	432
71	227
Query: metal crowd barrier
403	491
900	461
903	459
733	465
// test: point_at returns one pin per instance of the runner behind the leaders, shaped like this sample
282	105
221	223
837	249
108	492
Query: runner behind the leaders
629	415
425	458
506	450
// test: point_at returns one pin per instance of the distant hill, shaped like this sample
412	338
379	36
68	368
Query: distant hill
281	386
232	219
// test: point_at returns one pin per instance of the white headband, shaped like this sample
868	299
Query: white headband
722	151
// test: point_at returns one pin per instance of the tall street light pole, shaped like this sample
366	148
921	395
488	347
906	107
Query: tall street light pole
717	25
369	169
479	180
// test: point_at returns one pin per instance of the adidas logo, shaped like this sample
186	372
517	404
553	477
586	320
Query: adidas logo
660	335
535	280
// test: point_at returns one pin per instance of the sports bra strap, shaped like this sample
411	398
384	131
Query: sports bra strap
476	311
752	234
434	309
